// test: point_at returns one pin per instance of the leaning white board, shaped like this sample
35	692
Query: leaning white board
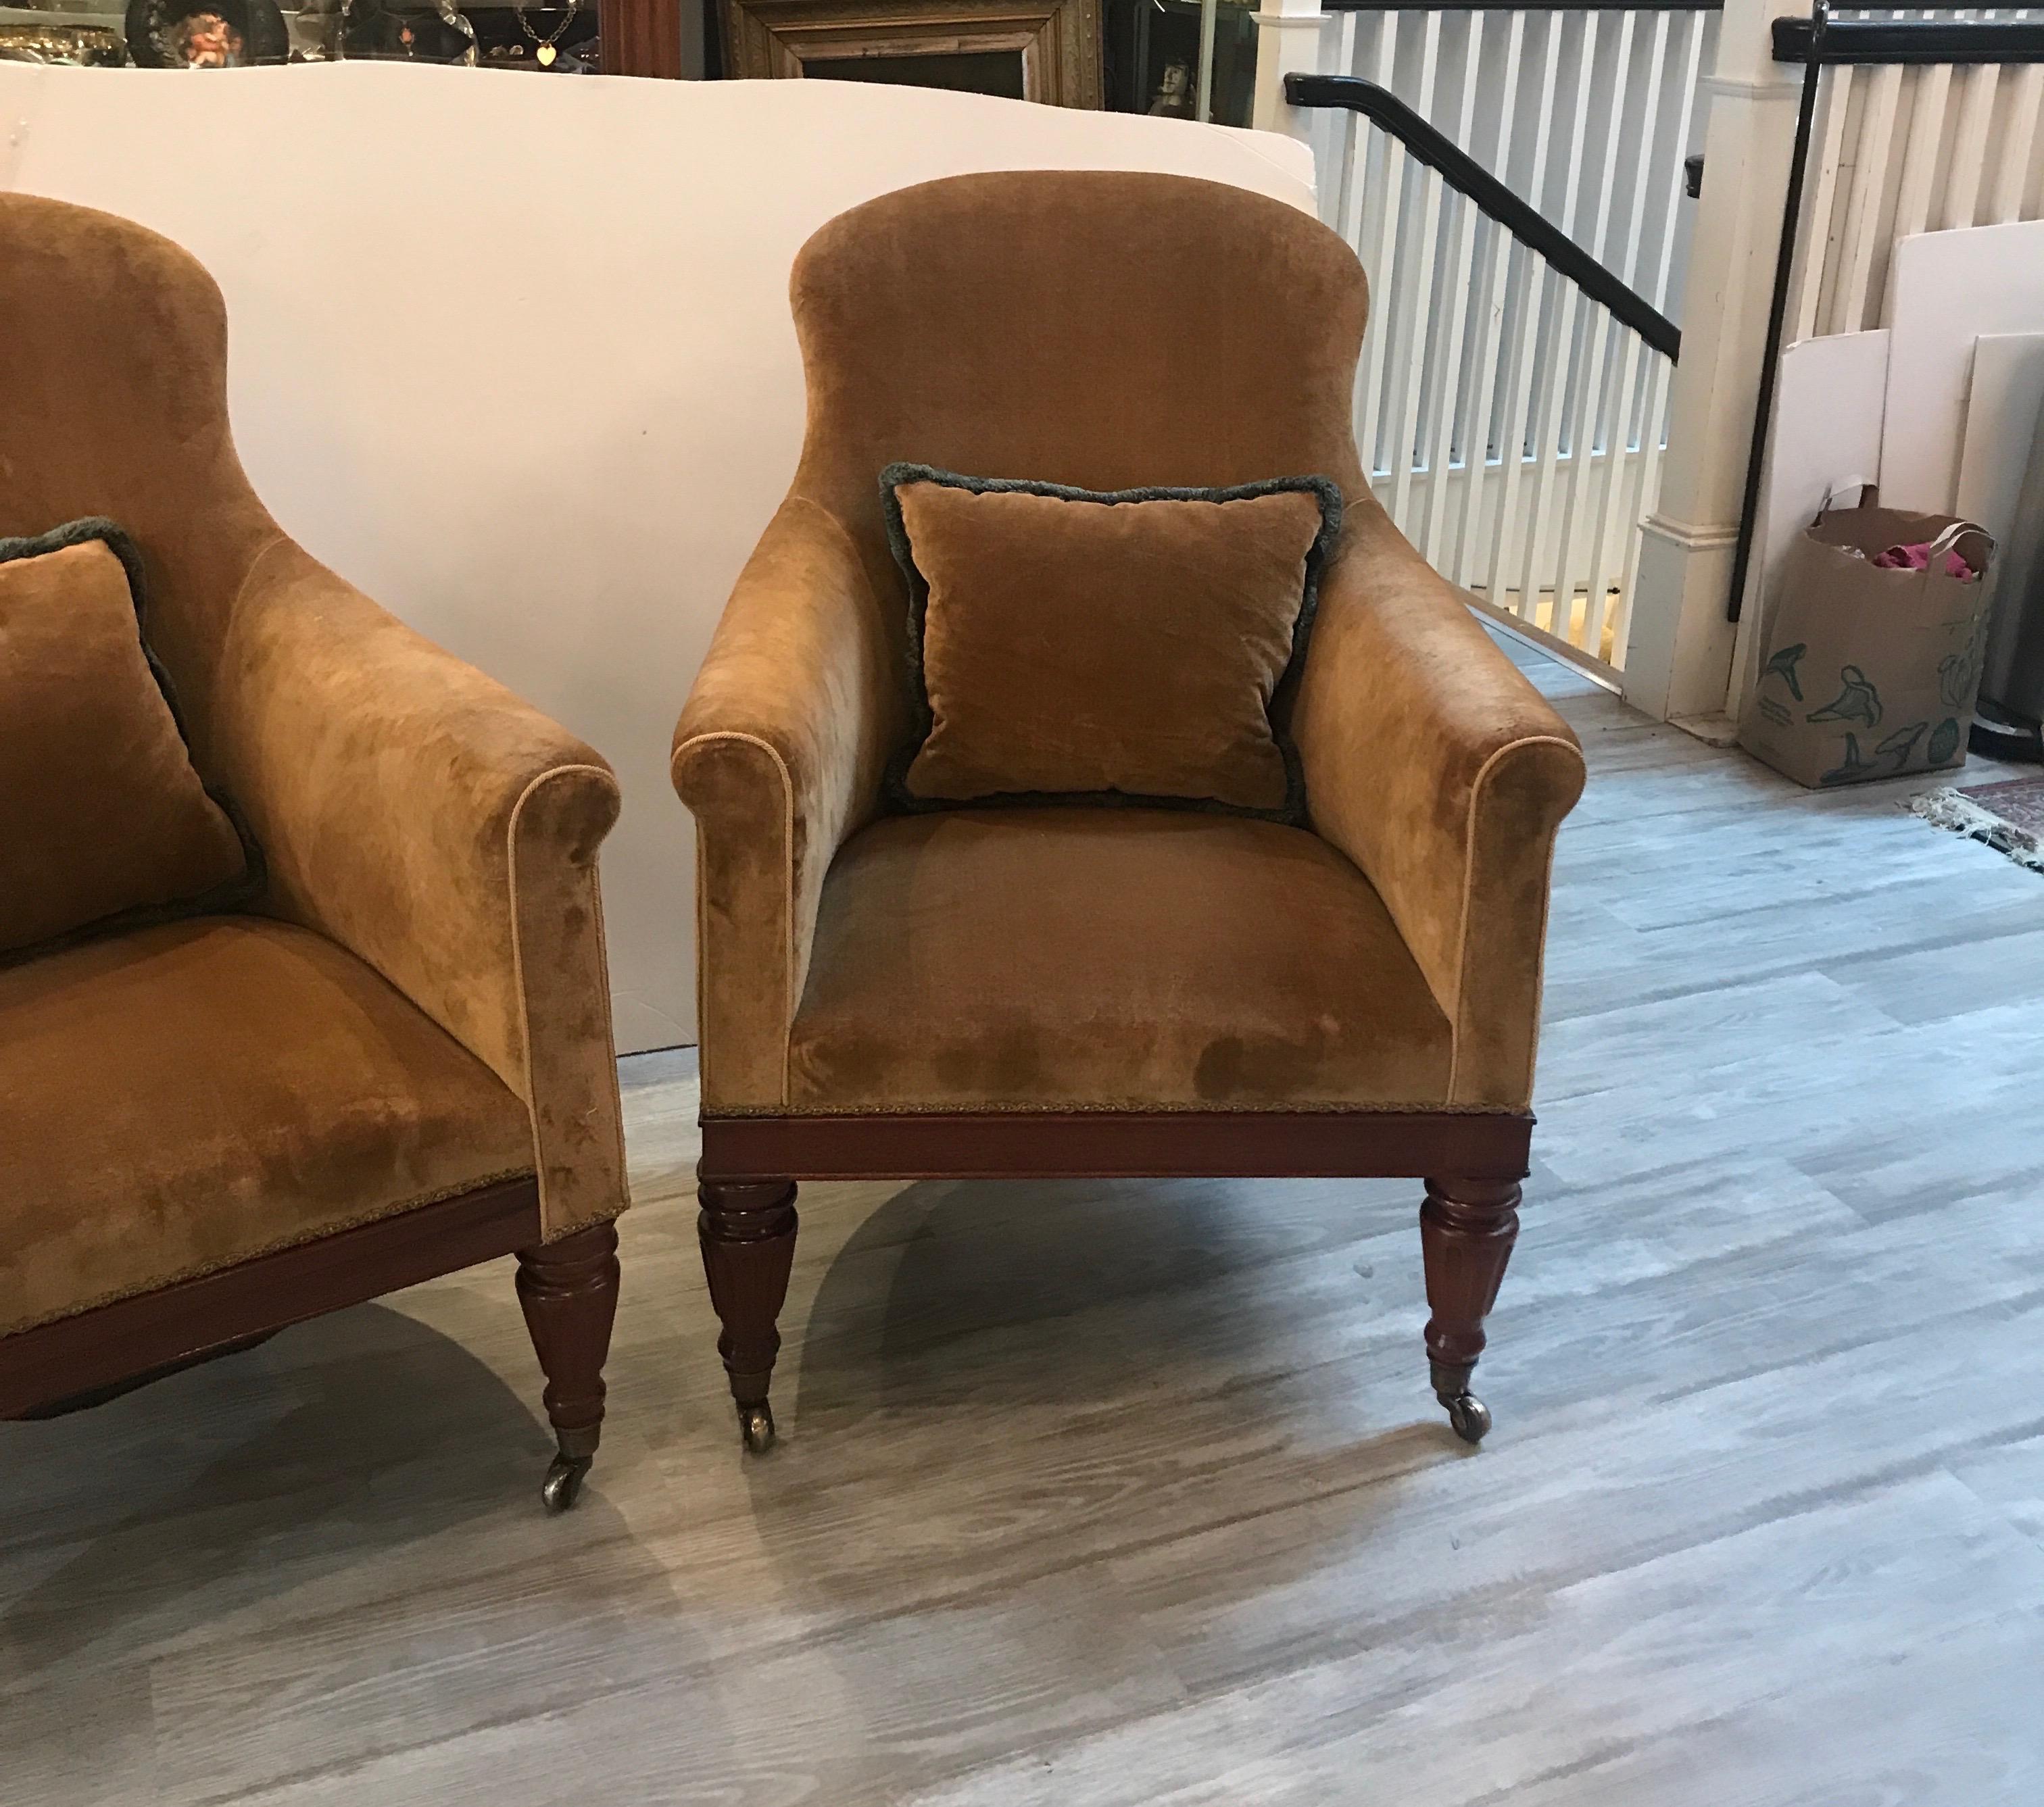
1828	405
2003	408
1945	289
515	355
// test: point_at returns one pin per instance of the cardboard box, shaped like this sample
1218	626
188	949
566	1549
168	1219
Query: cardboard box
1864	673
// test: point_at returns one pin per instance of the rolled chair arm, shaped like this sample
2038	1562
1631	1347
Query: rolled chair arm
444	831
1435	765
779	754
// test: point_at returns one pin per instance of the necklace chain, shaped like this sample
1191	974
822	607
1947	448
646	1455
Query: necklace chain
553	36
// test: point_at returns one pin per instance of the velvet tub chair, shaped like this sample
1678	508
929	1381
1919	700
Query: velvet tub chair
395	1061
1070	991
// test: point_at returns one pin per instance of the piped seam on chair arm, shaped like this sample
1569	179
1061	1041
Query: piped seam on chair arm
738	737
741	736
1484	772
584	862
581	855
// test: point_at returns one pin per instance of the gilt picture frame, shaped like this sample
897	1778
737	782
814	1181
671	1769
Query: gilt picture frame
1056	42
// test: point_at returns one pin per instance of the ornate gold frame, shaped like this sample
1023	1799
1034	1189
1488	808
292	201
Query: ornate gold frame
1058	40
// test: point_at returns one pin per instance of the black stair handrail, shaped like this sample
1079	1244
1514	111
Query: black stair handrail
1522	6
1463	173
1908	40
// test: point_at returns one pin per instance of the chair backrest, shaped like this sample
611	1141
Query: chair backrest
1105	329
114	402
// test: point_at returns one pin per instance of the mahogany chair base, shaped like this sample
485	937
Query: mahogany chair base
747	1230
750	1164
569	1291
568	1288
1466	1230
114	1389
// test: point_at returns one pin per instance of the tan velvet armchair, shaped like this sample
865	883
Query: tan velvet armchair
399	1063
1073	991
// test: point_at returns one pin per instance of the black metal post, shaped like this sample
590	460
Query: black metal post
1777	313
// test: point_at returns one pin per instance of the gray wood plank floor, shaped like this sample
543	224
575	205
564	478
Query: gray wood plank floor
1762	1520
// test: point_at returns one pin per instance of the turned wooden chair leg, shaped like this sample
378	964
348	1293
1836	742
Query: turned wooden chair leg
1466	1230
748	1229
569	1291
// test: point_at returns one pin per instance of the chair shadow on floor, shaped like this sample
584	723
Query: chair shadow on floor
1073	1293
320	1469
1018	1410
1001	1324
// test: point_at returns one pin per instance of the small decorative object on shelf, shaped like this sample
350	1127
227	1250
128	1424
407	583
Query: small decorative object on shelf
1173	99
206	34
315	30
544	54
1154	59
371	31
545	41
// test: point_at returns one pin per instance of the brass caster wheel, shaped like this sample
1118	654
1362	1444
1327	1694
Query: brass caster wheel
755	1424
562	1485
1469	1418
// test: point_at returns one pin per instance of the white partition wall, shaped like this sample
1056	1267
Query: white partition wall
515	356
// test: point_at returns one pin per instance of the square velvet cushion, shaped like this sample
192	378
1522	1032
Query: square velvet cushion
1129	647
104	823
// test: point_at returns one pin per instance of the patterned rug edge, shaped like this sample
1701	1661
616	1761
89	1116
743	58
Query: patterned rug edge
1955	812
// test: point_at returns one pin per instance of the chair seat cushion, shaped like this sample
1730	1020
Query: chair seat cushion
1137	959
185	1097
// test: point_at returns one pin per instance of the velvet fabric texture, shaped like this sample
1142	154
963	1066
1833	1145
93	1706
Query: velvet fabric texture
184	1097
430	825
1043	322
103	822
1096	959
1132	647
